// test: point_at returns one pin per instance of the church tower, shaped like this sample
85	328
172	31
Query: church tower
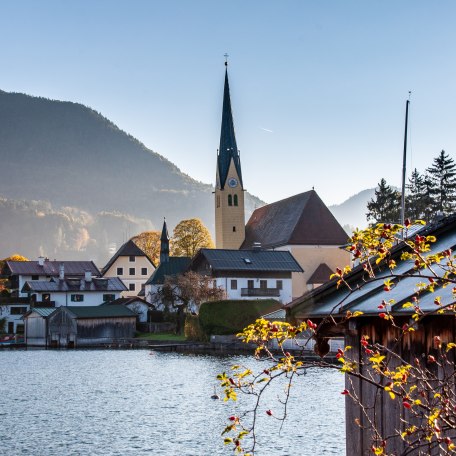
229	188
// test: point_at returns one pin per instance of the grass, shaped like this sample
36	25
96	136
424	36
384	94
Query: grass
161	337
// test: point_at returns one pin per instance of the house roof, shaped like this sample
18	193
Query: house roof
57	285
51	268
299	220
247	260
126	301
321	274
127	249
43	311
175	266
368	295
115	311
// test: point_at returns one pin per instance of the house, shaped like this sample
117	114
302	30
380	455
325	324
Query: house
249	274
36	326
138	305
131	265
305	227
88	291
90	326
366	297
12	310
19	272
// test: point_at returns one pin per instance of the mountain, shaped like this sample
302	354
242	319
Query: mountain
352	212
65	158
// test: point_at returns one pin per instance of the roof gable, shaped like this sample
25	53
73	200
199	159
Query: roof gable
321	274
127	249
299	220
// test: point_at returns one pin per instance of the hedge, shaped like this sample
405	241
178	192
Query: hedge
232	316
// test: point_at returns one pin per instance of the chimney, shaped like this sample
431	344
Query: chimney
41	261
256	246
61	271
88	276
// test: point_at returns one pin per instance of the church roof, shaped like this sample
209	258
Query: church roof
175	266
127	249
228	148
302	219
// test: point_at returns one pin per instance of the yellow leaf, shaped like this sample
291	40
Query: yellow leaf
357	313
392	395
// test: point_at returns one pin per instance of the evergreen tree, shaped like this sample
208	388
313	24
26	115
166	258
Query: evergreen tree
386	206
442	176
417	199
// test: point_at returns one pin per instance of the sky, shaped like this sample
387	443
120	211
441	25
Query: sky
318	89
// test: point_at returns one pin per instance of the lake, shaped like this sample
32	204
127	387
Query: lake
134	402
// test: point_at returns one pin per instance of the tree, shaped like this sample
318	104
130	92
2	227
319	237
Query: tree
421	389
186	292
149	243
442	175
385	207
4	282
417	200
189	236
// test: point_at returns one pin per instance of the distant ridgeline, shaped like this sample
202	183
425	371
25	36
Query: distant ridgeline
74	170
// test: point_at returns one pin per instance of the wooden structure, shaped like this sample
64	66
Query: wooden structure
90	326
330	301
36	326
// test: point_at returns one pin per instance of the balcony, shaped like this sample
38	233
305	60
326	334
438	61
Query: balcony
260	292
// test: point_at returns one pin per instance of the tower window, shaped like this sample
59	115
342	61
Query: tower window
235	200
234	229
230	200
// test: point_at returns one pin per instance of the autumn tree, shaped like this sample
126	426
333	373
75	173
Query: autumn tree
420	387
189	236
442	175
386	205
149	243
4	282
183	293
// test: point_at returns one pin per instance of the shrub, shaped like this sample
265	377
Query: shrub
232	316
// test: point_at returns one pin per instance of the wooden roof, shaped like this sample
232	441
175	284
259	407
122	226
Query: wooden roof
299	220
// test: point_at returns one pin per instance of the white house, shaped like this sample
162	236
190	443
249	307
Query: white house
89	291
12	310
19	272
249	274
131	265
138	305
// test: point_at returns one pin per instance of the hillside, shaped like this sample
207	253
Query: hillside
64	154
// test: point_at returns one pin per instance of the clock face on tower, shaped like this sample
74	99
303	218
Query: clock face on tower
232	182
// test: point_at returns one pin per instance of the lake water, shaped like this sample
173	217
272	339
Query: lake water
131	402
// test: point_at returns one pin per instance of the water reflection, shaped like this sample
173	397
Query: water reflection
114	402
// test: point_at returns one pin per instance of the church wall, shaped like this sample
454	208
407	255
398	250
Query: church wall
309	258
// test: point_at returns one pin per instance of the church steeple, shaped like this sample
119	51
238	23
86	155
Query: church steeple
229	188
164	244
228	148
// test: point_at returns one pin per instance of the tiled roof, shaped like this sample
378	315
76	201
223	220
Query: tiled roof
99	311
321	274
127	249
56	285
51	268
247	260
175	266
299	220
331	299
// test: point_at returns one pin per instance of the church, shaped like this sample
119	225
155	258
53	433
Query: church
301	224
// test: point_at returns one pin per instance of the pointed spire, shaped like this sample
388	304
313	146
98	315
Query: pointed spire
228	148
164	245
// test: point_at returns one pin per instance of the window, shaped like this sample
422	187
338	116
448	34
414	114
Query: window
108	297
250	284
234	229
131	287
35	277
263	284
132	271
235	200
18	310
230	200
234	284
279	284
132	259
77	298
143	271
46	297
119	271
20	328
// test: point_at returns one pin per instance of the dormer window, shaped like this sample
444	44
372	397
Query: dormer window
247	261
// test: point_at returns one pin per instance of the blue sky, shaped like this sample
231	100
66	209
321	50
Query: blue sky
318	88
